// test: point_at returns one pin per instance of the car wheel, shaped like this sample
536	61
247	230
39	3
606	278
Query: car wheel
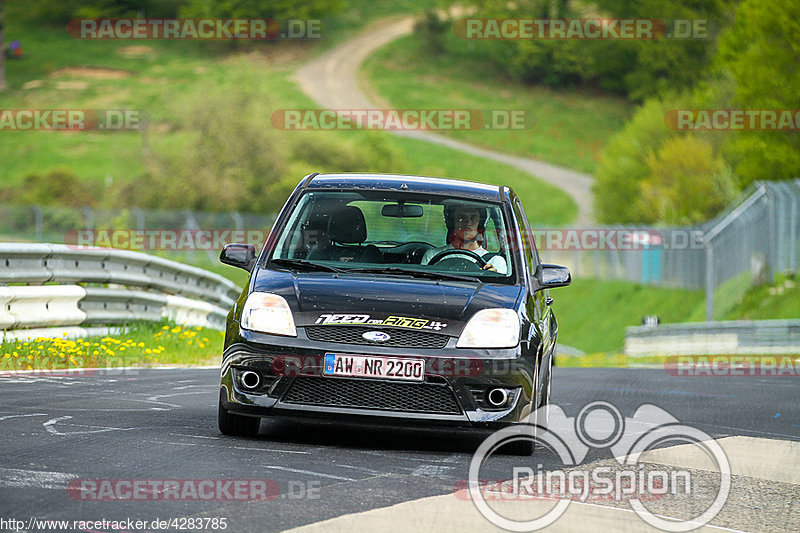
521	447
237	425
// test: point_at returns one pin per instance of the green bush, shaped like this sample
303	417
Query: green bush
432	29
687	182
58	187
637	68
231	163
623	165
760	51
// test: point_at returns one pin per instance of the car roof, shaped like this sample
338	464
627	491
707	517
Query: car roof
399	182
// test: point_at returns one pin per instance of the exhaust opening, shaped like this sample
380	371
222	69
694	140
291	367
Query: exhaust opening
250	380
497	397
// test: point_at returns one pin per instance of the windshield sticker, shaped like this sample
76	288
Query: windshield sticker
394	321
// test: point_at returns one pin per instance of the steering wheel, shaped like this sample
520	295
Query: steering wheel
446	253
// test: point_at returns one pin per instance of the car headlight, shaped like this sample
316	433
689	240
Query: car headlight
491	328
268	313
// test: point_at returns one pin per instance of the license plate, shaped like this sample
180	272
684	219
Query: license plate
373	367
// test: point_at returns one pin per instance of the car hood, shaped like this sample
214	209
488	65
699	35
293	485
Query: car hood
330	299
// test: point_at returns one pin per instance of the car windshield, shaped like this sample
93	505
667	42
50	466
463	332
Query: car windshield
396	233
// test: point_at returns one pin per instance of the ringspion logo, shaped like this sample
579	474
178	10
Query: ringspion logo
598	425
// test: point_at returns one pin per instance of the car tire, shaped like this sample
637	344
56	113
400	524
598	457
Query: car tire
237	425
521	447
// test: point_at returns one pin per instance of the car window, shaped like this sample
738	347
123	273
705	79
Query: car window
361	229
426	228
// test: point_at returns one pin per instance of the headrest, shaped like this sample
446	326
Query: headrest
347	225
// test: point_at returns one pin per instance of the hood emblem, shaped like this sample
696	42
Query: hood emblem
376	336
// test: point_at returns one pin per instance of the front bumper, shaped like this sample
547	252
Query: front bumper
453	392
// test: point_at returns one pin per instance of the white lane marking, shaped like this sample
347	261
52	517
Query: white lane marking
20	416
196	436
431	470
752	432
17	477
427	459
49	426
308	472
231	447
361	468
155	398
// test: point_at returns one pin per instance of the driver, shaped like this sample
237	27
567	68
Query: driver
466	232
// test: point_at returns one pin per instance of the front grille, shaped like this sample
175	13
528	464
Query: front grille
373	394
399	337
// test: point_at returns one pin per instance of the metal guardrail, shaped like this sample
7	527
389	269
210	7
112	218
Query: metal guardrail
39	287
735	337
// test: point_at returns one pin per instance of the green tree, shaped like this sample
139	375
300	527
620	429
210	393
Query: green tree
58	187
277	9
762	53
687	182
623	165
2	48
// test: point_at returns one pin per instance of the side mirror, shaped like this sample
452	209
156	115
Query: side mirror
550	276
239	255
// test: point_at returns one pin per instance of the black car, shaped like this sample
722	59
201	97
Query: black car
388	298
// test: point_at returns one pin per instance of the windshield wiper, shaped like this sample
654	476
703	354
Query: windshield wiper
302	264
416	273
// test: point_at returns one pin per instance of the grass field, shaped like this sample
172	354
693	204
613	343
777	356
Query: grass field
592	314
169	80
568	128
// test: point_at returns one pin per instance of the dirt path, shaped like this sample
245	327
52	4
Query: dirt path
331	80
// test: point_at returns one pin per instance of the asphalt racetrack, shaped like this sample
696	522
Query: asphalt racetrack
160	424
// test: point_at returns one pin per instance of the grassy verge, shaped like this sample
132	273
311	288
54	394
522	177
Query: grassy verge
143	344
568	128
593	314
